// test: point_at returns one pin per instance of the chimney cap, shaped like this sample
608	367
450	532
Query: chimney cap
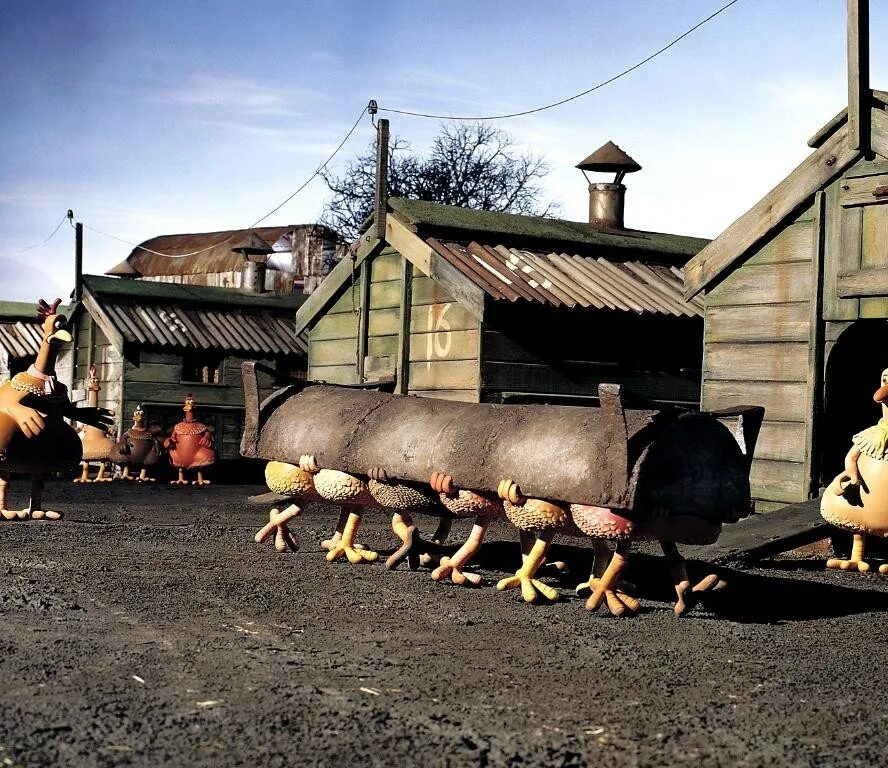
609	158
254	248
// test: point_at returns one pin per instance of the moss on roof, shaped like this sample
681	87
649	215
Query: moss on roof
468	224
18	310
150	291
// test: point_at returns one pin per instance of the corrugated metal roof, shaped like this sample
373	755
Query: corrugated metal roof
183	317
562	279
21	339
198	253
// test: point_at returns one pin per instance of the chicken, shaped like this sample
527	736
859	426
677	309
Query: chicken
138	449
97	445
857	498
34	437
190	446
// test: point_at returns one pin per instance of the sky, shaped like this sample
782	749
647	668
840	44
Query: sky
161	117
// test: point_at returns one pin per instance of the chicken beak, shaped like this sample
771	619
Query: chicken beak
62	336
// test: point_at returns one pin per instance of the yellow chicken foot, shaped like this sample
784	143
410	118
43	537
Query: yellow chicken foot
439	538
618	602
84	475
180	481
7	514
856	562
345	547
331	543
143	477
414	549
608	583
200	479
452	566
532	588
276	526
101	477
686	595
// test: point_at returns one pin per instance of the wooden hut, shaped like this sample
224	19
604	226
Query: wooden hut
482	306
154	343
20	337
796	294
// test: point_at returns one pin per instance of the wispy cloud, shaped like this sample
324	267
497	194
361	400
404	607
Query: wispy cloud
237	95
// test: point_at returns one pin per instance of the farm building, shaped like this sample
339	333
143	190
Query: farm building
493	307
154	343
796	296
20	337
301	255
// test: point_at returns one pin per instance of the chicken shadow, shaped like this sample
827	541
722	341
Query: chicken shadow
751	597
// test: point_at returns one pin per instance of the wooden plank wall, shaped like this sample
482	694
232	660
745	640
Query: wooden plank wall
547	354
444	344
332	341
384	315
156	382
91	346
756	352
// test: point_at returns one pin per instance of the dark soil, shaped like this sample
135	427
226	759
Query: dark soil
148	629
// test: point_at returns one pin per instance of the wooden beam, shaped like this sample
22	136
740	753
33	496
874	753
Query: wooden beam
103	321
363	319
403	364
858	76
863	282
879	131
382	164
816	171
815	347
326	292
413	248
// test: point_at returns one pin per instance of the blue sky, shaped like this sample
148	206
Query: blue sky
150	118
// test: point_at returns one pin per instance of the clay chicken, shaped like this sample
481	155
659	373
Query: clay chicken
138	449
190	446
97	446
34	437
857	498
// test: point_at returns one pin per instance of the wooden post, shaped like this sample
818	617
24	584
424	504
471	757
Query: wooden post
382	162
403	367
858	76
78	261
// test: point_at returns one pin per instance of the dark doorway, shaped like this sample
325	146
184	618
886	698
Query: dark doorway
852	376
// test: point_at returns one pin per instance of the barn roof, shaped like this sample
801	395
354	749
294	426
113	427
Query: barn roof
514	258
198	253
832	156
175	316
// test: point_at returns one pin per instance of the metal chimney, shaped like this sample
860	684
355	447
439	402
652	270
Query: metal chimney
607	199
255	252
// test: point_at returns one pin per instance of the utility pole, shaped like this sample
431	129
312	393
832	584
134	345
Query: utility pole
382	163
78	258
858	76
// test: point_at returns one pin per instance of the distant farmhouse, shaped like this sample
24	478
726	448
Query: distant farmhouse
301	255
494	307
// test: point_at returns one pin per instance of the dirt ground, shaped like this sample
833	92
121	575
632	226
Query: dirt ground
148	629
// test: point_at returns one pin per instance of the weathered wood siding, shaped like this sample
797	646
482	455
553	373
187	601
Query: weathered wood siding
155	381
333	340
546	354
91	347
444	344
384	313
757	344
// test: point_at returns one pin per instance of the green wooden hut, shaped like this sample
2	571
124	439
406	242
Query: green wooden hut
796	295
481	306
153	343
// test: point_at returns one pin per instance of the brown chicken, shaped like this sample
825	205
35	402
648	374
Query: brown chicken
97	445
138	449
190	446
34	437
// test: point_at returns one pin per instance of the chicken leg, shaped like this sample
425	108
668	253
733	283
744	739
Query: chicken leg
678	566
856	561
525	576
618	602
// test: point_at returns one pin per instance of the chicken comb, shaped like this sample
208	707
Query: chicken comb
44	310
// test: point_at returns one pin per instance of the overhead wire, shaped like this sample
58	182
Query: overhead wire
46	240
576	96
411	113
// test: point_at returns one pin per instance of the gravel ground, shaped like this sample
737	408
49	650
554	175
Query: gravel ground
148	629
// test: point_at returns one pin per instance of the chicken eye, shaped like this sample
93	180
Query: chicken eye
60	322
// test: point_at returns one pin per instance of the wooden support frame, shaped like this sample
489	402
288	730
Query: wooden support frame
403	362
863	282
858	76
815	376
363	319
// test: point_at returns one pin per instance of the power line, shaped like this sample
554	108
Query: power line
44	242
575	96
311	178
317	170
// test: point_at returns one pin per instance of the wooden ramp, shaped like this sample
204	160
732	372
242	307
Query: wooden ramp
767	534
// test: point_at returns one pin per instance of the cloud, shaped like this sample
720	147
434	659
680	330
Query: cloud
237	95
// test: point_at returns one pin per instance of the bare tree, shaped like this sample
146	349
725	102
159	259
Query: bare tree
469	164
